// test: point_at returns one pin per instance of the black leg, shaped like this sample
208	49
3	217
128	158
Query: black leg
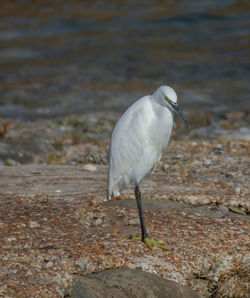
139	206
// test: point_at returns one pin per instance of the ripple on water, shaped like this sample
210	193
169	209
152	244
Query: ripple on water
83	56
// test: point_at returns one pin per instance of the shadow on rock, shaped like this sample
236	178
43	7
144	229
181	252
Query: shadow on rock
128	283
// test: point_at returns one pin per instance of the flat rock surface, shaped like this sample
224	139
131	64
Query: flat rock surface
128	283
64	181
55	223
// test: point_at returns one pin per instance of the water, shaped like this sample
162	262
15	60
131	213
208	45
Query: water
62	57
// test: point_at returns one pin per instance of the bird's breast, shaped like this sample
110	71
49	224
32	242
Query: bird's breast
161	129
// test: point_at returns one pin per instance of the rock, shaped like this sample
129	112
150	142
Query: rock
34	224
11	162
89	167
49	264
99	221
216	131
166	166
134	221
222	208
194	200
237	189
235	115
128	283
83	234
236	210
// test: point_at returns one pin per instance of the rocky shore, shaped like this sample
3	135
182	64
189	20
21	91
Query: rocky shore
55	222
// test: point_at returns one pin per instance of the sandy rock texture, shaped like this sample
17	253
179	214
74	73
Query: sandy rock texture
55	222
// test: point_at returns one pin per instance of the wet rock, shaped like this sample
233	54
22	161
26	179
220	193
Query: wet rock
128	283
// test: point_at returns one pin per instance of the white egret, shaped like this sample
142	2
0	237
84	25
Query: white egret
137	143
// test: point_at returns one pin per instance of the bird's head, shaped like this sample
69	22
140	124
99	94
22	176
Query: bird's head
167	97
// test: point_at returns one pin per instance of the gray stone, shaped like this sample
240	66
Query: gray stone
124	283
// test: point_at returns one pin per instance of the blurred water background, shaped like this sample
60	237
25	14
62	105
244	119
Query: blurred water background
63	57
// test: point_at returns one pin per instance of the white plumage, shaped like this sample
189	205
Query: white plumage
137	143
139	138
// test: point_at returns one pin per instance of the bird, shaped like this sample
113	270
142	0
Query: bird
137	142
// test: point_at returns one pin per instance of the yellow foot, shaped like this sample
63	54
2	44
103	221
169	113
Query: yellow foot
150	243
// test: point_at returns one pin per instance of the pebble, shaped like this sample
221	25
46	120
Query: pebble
34	224
236	210
2	225
237	189
131	266
202	200
11	162
222	208
99	221
166	166
207	161
133	221
11	239
49	264
229	158
49	258
234	115
246	261
89	168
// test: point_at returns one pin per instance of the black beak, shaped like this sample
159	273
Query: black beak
179	111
